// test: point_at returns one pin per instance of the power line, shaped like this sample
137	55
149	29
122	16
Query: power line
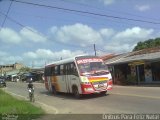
6	14
119	23
56	41
17	22
114	11
85	12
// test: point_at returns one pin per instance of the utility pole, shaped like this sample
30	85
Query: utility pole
95	49
32	64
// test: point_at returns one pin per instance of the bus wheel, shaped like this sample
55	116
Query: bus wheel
76	92
103	93
54	90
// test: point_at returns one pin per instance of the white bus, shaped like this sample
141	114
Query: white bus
78	75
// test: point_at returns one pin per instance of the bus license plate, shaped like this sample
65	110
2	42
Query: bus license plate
100	85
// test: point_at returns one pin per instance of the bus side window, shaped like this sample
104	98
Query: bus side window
48	71
61	69
45	72
71	68
57	70
52	70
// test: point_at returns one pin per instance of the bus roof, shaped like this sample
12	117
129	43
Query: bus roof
62	61
69	60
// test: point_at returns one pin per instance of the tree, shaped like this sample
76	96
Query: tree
147	44
24	70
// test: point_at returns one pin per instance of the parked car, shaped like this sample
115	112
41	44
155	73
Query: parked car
2	82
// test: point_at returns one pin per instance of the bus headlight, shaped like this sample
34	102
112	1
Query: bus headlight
86	83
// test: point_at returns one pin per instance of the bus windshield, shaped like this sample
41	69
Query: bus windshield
92	67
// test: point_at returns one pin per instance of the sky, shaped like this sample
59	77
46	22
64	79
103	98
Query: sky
37	32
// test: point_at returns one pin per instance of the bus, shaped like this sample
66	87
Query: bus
78	75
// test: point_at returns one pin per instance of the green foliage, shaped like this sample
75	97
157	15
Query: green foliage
25	69
147	44
11	106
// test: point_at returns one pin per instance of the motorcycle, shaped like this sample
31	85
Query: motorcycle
31	94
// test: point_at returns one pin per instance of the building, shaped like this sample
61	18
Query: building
14	72
38	74
4	69
139	67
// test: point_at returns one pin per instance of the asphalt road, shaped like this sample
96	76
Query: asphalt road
120	100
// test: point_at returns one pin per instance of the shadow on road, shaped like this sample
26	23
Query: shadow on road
71	96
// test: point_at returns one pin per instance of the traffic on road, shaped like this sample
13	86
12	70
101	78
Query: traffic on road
122	99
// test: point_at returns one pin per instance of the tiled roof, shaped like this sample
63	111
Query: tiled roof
135	56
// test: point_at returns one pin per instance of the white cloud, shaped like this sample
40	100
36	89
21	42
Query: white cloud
10	36
30	55
2	54
107	2
124	41
39	54
31	34
37	58
118	48
106	39
133	34
107	33
46	55
109	39
67	54
6	58
77	33
142	8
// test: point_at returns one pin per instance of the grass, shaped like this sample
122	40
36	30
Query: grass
12	106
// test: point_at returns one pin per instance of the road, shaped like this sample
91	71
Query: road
122	99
